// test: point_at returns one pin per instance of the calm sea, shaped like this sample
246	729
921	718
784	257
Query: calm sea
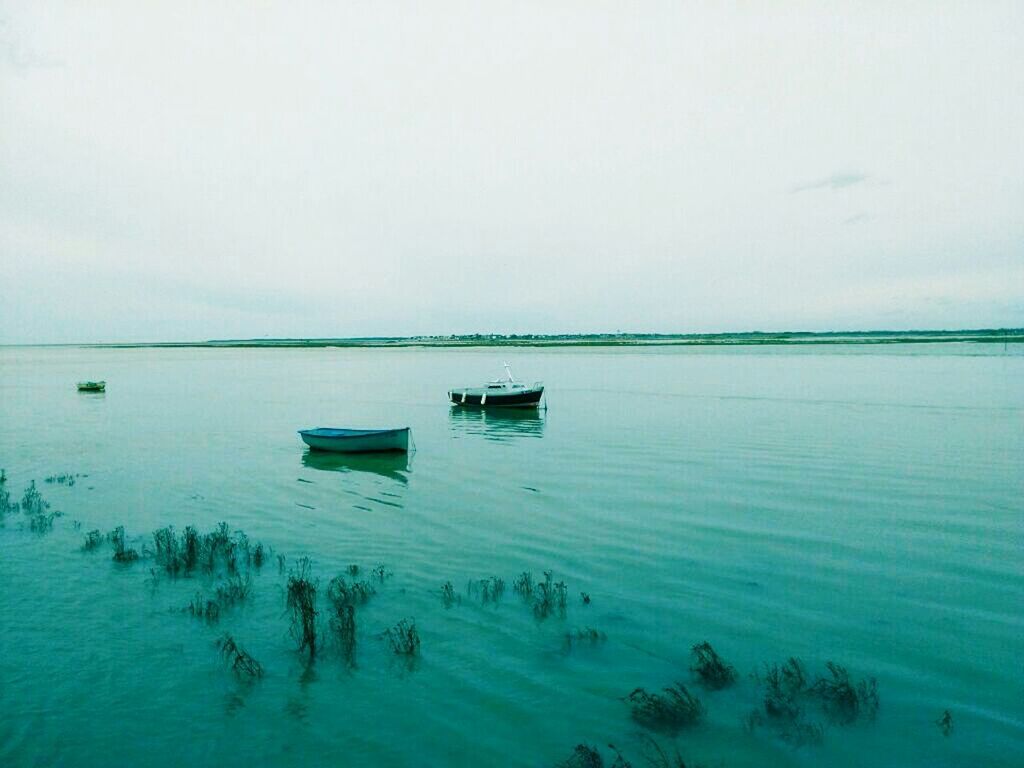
862	505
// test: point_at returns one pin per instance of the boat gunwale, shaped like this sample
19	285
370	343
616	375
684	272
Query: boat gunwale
342	432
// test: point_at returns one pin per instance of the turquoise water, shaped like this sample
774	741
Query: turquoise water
854	504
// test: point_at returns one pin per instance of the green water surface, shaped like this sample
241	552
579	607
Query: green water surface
854	504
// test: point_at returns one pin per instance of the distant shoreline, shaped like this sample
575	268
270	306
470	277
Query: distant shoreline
983	336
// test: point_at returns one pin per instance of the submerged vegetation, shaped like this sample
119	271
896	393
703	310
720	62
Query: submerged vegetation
403	637
657	757
220	549
344	598
523	585
240	661
301	603
343	626
340	592
585	756
709	669
448	596
585	636
669	712
785	688
6	507
122	553
547	597
233	591
36	509
42	522
550	597
204	608
654	755
788	690
32	502
489	590
843	700
227	561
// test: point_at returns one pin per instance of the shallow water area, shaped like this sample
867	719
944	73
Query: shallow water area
855	504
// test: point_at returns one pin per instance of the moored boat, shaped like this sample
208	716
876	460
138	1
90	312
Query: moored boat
506	392
92	386
356	440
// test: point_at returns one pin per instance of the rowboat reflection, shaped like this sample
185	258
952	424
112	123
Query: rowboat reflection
395	466
503	425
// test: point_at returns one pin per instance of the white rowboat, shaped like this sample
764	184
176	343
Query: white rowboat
356	440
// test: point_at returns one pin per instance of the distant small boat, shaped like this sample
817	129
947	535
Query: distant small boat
92	386
356	440
499	393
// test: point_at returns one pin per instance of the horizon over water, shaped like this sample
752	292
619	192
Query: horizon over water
913	335
855	504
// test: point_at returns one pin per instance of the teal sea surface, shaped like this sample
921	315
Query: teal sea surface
856	505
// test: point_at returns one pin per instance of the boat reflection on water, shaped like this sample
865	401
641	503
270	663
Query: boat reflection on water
395	466
502	424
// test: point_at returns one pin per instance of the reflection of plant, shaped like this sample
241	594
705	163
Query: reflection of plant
92	540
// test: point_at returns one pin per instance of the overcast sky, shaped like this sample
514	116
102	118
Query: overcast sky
215	170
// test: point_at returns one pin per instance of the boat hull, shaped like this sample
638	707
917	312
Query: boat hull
524	399
356	441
